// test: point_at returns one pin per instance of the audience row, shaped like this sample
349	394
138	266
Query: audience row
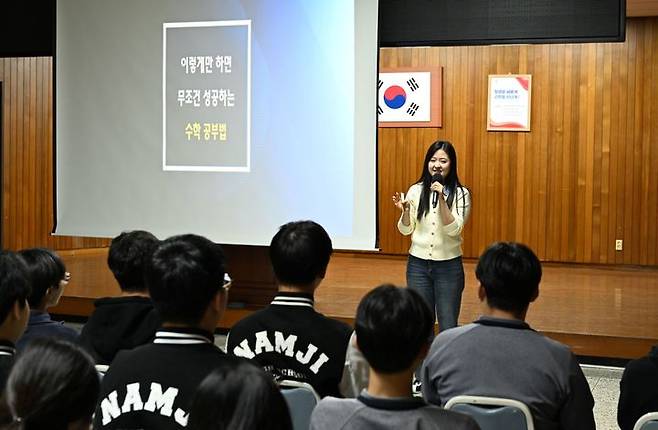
165	371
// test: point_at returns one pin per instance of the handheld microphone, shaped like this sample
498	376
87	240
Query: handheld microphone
437	177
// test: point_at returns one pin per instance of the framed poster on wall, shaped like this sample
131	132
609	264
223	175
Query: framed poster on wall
509	102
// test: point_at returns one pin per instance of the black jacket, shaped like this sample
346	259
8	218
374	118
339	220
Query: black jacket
151	387
638	390
290	340
118	323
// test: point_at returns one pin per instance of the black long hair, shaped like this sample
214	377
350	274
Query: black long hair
46	270
238	396
52	384
450	182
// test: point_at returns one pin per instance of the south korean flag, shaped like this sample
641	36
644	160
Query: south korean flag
404	97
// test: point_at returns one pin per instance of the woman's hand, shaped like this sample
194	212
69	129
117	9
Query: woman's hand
400	203
436	186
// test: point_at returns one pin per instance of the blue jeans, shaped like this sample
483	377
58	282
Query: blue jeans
441	284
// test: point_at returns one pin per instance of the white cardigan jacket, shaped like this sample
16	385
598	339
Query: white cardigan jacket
430	239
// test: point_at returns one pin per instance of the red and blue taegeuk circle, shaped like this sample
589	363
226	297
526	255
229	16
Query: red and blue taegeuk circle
394	97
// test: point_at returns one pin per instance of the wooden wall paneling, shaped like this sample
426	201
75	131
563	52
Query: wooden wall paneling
636	168
26	183
17	84
583	177
45	138
17	108
612	174
630	141
546	97
638	241
581	148
622	148
530	176
589	155
641	8
638	203
644	190
10	145
39	132
653	178
33	144
572	170
6	147
596	156
556	134
652	183
563	177
474	175
27	169
603	142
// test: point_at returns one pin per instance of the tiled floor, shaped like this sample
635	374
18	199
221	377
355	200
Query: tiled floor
604	383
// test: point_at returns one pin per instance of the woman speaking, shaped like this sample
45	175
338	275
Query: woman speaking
434	212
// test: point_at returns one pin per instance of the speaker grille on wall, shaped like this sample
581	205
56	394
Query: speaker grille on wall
475	22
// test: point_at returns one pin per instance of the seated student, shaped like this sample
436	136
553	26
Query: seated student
53	385
152	385
239	396
129	320
393	330
48	277
14	310
638	390
289	338
499	355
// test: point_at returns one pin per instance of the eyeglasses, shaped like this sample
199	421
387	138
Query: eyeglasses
227	282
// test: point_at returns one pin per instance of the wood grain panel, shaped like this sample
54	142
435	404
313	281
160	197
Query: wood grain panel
27	169
641	8
91	278
583	177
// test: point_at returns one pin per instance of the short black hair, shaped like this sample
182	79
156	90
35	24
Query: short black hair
183	275
52	384
300	252
128	254
45	269
239	395
392	325
510	274
14	282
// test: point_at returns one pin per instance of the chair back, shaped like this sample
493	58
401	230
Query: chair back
102	369
301	399
648	421
493	413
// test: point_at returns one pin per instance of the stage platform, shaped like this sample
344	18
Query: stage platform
599	311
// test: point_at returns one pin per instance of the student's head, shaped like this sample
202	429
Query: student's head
300	253
185	276
128	254
53	384
393	328
14	291
238	396
47	274
509	275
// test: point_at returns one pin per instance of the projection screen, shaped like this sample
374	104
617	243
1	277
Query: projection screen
224	118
